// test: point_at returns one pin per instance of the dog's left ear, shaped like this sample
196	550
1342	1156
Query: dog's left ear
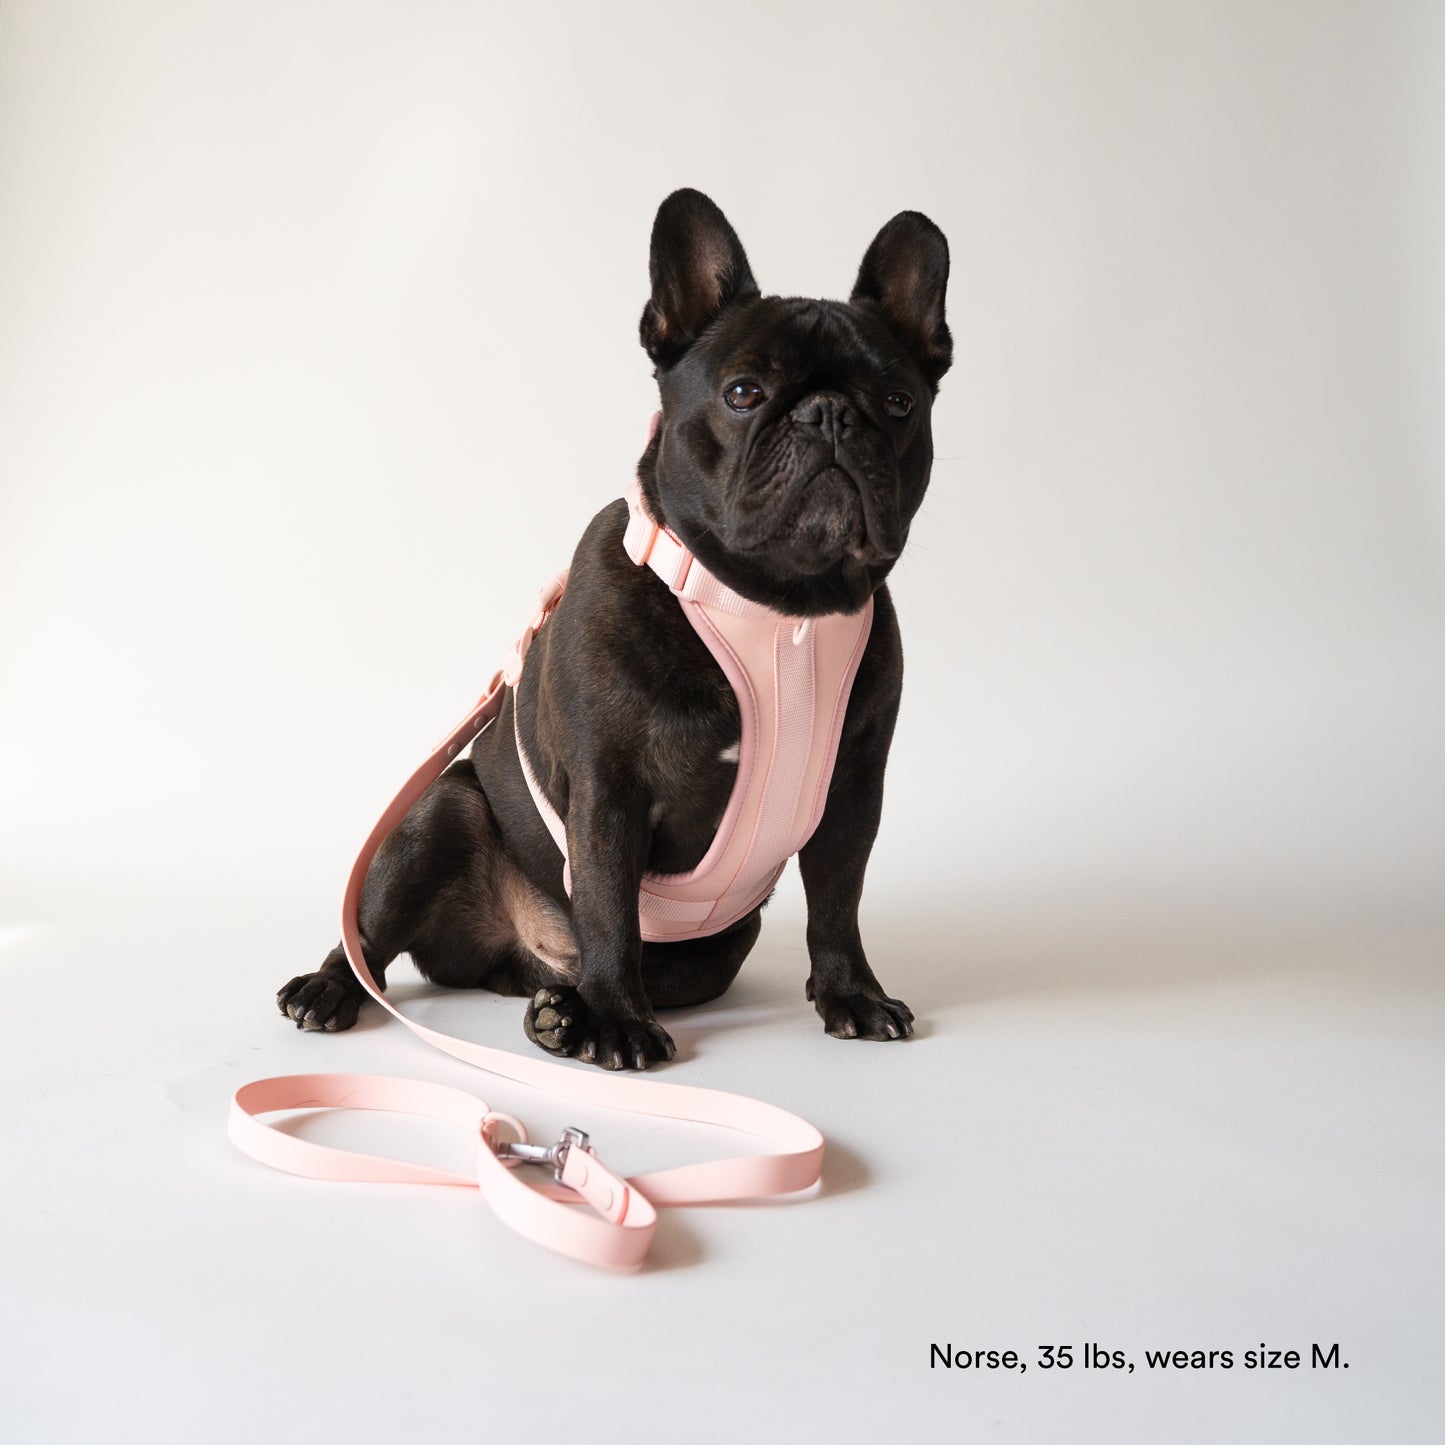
698	267
905	275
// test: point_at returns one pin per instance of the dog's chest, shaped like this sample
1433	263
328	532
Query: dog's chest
690	763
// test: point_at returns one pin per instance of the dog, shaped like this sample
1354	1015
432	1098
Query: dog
792	453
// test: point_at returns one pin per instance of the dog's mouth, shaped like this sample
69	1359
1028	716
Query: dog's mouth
828	501
827	520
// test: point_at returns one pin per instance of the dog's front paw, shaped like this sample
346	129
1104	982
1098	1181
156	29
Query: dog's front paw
866	1014
319	1002
559	1021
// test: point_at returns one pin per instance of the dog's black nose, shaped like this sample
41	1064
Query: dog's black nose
832	414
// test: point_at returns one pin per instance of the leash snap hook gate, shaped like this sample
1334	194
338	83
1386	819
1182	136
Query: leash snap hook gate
552	1154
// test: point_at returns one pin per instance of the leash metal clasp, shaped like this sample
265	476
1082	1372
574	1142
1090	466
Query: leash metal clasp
553	1154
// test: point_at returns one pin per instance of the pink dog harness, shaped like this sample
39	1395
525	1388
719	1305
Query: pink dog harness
792	678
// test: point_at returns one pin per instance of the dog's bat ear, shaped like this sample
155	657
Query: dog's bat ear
904	276
698	267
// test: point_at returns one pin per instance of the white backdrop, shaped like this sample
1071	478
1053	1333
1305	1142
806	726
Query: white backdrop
317	349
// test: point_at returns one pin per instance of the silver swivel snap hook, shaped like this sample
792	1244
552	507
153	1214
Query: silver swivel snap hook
553	1154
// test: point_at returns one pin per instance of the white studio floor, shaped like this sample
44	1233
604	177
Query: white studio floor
1137	1137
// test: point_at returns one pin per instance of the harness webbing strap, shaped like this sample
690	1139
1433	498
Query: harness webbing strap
622	1217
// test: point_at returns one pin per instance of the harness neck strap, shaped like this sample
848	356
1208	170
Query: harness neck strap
650	544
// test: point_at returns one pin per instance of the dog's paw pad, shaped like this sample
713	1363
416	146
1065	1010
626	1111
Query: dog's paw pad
550	1019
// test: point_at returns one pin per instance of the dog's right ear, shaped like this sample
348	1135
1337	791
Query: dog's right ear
698	267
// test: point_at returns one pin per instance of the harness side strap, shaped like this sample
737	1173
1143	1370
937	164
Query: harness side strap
619	1227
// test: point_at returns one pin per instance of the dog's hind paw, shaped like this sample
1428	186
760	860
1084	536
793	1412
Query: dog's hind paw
548	1020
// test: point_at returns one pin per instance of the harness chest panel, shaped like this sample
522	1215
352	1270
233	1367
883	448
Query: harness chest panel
792	677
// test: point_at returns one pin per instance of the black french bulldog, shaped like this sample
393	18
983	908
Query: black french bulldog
793	452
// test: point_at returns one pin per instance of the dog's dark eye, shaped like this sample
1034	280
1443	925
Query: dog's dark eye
744	395
898	403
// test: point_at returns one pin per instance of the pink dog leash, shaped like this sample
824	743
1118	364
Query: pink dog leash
617	1227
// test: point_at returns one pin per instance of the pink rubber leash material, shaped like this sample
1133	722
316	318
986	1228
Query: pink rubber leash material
619	1227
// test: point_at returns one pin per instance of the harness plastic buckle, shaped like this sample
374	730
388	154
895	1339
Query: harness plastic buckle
553	1154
